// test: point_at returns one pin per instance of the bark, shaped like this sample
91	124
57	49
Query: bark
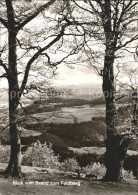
115	150
14	167
116	147
115	154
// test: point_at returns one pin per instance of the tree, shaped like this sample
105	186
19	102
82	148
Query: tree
128	84
112	24
27	50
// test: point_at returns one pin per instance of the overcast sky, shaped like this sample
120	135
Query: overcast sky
80	77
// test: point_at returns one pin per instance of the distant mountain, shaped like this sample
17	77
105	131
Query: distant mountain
84	92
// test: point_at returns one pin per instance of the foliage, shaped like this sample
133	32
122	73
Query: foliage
93	165
43	105
40	155
90	164
127	174
77	134
4	154
131	164
70	165
58	145
85	160
96	169
62	152
38	107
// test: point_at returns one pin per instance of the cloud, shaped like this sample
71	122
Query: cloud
79	76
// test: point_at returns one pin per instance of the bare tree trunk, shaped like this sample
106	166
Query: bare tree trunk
113	156
115	150
14	167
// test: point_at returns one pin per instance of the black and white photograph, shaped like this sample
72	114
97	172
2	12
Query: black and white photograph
69	97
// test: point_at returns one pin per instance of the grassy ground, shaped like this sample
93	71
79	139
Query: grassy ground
87	187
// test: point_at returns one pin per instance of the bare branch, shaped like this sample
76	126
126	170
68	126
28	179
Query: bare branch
35	56
36	13
4	22
127	42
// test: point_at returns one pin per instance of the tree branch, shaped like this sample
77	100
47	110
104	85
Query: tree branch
36	13
4	22
127	42
3	76
38	53
4	66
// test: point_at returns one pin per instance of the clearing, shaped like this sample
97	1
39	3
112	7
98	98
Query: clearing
31	184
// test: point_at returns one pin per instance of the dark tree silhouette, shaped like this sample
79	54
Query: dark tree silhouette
15	18
113	24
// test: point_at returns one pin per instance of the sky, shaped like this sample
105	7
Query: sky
79	77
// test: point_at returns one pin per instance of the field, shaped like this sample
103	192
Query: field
51	187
